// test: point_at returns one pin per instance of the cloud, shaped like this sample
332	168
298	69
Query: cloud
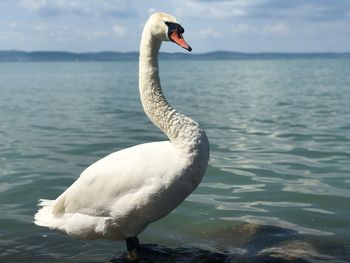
119	30
209	33
215	9
13	24
246	25
267	9
66	33
244	28
152	10
278	28
300	9
79	7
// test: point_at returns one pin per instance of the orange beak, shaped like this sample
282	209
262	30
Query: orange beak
177	38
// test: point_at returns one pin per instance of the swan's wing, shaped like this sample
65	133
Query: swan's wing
123	181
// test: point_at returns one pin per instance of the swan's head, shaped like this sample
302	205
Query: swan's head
166	28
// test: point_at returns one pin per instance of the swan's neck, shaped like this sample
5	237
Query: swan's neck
180	129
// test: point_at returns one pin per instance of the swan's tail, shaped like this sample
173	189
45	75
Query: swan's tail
78	225
44	216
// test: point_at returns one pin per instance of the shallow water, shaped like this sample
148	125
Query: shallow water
279	133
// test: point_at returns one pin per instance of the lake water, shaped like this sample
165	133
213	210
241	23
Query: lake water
279	134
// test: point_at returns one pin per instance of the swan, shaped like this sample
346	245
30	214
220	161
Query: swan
118	196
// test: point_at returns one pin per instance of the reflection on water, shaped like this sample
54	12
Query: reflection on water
236	188
226	203
267	220
279	133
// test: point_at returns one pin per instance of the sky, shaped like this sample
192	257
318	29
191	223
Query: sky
210	25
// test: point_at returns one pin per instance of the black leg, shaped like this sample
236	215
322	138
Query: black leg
132	243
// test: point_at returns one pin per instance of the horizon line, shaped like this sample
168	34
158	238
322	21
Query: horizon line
178	52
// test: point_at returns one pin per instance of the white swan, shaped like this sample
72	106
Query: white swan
119	195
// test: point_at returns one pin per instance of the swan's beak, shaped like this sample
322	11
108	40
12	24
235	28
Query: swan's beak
177	38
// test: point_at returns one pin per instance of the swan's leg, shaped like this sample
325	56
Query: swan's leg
132	243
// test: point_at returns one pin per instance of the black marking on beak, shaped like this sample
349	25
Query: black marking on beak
172	27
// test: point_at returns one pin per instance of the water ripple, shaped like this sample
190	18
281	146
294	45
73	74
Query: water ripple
312	186
236	188
279	134
222	202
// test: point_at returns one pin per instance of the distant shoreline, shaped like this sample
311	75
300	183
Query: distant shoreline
7	56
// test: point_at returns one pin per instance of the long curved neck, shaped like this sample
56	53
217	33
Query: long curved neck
179	128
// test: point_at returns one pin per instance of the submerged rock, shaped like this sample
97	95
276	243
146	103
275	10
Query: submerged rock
157	253
243	243
188	254
297	249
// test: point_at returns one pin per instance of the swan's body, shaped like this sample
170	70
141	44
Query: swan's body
119	195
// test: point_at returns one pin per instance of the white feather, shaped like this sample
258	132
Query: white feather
119	195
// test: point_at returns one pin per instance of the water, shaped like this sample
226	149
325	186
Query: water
279	133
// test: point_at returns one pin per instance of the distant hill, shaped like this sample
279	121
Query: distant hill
119	56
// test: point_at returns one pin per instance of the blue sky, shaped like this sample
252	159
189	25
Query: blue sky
233	25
